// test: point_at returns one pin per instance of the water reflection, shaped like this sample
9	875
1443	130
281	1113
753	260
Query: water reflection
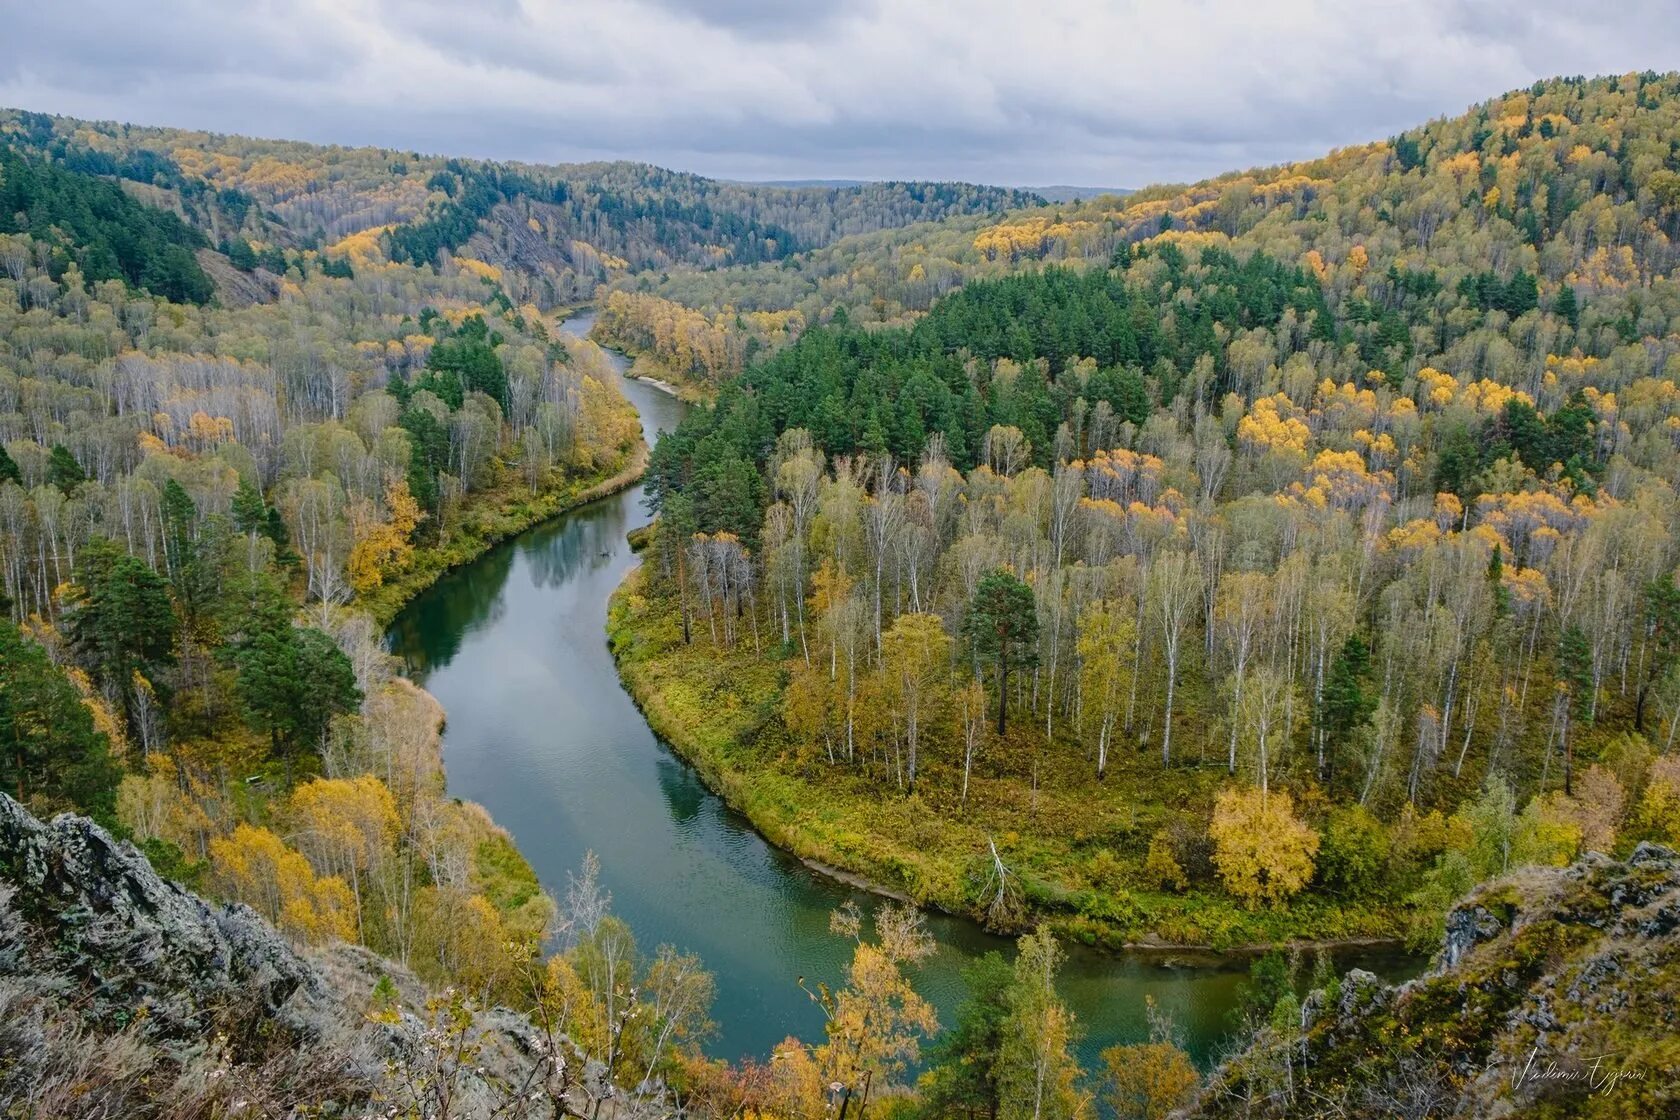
429	632
685	794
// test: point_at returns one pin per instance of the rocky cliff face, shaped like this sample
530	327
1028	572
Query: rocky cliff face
123	995
1556	993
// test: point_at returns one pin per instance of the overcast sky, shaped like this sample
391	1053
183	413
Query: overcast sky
1050	91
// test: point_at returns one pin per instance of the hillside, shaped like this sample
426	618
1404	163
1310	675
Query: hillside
557	230
219	471
1555	181
1331	505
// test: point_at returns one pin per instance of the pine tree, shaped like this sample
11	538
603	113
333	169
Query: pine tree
1346	703
1575	673
964	1078
291	680
120	620
1496	582
1662	626
250	513
179	514
62	469
1566	307
1001	629
50	748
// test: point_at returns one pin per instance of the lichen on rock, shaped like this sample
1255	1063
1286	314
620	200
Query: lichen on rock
124	995
1556	993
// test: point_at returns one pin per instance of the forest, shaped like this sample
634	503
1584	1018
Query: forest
1271	559
1274	557
214	488
557	231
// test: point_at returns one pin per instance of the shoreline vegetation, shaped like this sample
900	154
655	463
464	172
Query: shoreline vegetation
647	368
507	510
486	521
1171	954
494	520
718	713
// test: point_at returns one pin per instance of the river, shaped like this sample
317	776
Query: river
542	734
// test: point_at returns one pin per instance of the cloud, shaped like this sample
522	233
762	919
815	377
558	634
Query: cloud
1107	93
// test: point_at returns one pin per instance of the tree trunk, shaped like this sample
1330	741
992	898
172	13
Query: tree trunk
1003	692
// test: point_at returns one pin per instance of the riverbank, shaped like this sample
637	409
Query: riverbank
646	368
649	370
661	384
1077	847
493	518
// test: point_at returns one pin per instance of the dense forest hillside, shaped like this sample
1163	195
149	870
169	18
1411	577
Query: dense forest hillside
1568	180
557	230
1221	565
219	470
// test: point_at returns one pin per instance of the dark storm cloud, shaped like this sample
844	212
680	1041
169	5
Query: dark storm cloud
1109	93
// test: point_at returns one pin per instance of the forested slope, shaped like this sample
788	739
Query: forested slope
1556	180
1306	524
208	503
557	230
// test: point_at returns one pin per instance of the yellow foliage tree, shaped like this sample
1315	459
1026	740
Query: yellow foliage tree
460	938
347	827
1161	865
152	806
1264	853
875	1022
1659	808
1147	1081
254	866
381	544
1594	812
915	658
1107	657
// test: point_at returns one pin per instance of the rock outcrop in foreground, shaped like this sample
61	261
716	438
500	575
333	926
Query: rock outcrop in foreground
125	996
1556	993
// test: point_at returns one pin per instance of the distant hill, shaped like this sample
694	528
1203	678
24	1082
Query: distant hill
563	229
1553	180
829	183
1078	194
1057	193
